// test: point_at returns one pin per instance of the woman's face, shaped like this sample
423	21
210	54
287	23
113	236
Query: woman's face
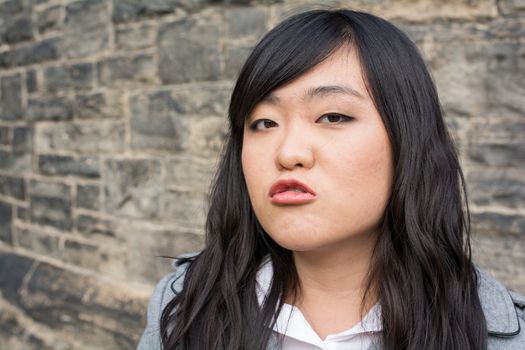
323	130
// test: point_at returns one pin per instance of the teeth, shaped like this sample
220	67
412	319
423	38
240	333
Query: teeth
295	190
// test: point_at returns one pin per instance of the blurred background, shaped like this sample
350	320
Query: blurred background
112	116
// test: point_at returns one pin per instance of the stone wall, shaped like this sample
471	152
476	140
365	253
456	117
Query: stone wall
112	115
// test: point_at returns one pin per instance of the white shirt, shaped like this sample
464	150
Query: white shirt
299	335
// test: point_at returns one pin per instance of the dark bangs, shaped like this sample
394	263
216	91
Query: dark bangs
291	49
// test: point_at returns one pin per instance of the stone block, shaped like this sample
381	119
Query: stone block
22	139
13	269
99	105
88	197
147	248
495	186
54	165
15	161
10	8
497	154
156	125
82	254
132	188
49	108
135	37
189	50
40	243
6	219
246	21
39	52
12	187
105	136
49	19
498	223
505	79
86	28
75	76
138	69
511	7
19	28
50	204
134	10
191	172
11	97
22	214
105	315
5	135
235	58
185	208
207	136
31	81
93	227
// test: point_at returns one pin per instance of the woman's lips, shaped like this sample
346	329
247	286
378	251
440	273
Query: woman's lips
291	191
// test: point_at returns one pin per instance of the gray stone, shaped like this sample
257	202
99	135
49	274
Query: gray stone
49	108
22	214
139	69
133	10
498	223
185	208
207	135
190	172
31	81
19	28
147	248
12	187
99	105
506	78
86	28
22	139
82	254
189	50
88	197
50	204
76	76
11	97
38	52
5	135
92	227
37	242
496	154
156	125
13	269
10	8
494	186
132	188
6	218
49	19
81	304
511	7
247	21
235	58
135	37
54	165
105	136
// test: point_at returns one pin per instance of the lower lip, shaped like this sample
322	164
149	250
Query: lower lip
291	197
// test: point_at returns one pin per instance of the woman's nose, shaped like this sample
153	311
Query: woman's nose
296	150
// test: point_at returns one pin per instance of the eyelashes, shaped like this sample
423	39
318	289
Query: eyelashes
332	118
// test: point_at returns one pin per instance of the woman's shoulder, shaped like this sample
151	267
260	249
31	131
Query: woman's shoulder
504	312
164	292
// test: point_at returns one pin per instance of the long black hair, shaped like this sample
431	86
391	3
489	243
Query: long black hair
421	265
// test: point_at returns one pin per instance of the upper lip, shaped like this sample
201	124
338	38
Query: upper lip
285	184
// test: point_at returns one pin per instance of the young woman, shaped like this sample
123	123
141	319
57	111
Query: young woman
336	218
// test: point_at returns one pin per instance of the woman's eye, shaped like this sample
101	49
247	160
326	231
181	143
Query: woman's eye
262	124
334	118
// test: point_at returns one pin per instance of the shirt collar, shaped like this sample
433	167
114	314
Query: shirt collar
496	302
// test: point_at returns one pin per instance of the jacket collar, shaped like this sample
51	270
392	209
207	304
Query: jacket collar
498	307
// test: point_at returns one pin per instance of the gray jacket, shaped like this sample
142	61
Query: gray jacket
504	312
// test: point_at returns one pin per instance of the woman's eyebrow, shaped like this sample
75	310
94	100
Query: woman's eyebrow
317	92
